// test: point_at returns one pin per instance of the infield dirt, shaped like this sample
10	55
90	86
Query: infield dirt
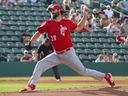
88	91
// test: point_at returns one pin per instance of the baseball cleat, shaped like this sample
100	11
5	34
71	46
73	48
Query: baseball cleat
108	77
29	88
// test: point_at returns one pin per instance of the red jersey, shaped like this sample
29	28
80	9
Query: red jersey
58	32
25	58
120	38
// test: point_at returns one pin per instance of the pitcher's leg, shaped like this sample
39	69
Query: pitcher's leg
56	72
72	60
43	65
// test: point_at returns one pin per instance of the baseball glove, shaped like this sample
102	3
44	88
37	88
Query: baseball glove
28	46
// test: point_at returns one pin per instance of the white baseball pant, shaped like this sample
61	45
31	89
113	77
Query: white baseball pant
70	59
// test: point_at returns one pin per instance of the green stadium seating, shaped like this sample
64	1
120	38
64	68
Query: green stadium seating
5	18
5	38
2	45
123	51
103	40
107	45
88	51
94	40
92	57
16	50
114	45
79	51
29	16
97	51
81	45
107	51
7	50
2	33
10	44
15	38
90	45
115	51
15	18
99	45
83	57
86	40
126	57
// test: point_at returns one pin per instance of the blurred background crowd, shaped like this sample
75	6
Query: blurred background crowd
105	33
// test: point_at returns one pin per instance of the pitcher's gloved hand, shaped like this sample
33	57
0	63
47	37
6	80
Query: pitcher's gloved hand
28	46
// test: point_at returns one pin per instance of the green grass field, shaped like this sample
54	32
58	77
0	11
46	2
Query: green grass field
49	83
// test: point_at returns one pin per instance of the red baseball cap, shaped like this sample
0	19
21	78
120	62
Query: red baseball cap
53	7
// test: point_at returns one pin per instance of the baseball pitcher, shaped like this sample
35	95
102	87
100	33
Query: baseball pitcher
58	29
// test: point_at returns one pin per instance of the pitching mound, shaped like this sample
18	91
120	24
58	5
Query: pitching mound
107	91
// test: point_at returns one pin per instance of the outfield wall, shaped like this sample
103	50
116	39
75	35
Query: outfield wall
8	69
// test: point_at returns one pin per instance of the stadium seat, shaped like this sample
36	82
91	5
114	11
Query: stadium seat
90	45
88	51
6	38
115	51
19	44
5	18
76	34
112	40
7	51
107	45
95	40
106	51
99	45
10	44
92	57
15	18
77	39
126	57
103	40
16	50
28	13
15	38
39	18
29	23
123	46
37	23
5	28
114	45
12	23
123	51
3	12
83	57
14	28
2	44
22	28
97	51
22	18
2	33
93	35
18	33
86	40
20	13
81	45
21	23
10	13
1	50
79	51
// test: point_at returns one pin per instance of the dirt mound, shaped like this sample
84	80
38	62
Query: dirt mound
91	91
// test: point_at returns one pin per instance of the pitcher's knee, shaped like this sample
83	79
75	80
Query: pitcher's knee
83	72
